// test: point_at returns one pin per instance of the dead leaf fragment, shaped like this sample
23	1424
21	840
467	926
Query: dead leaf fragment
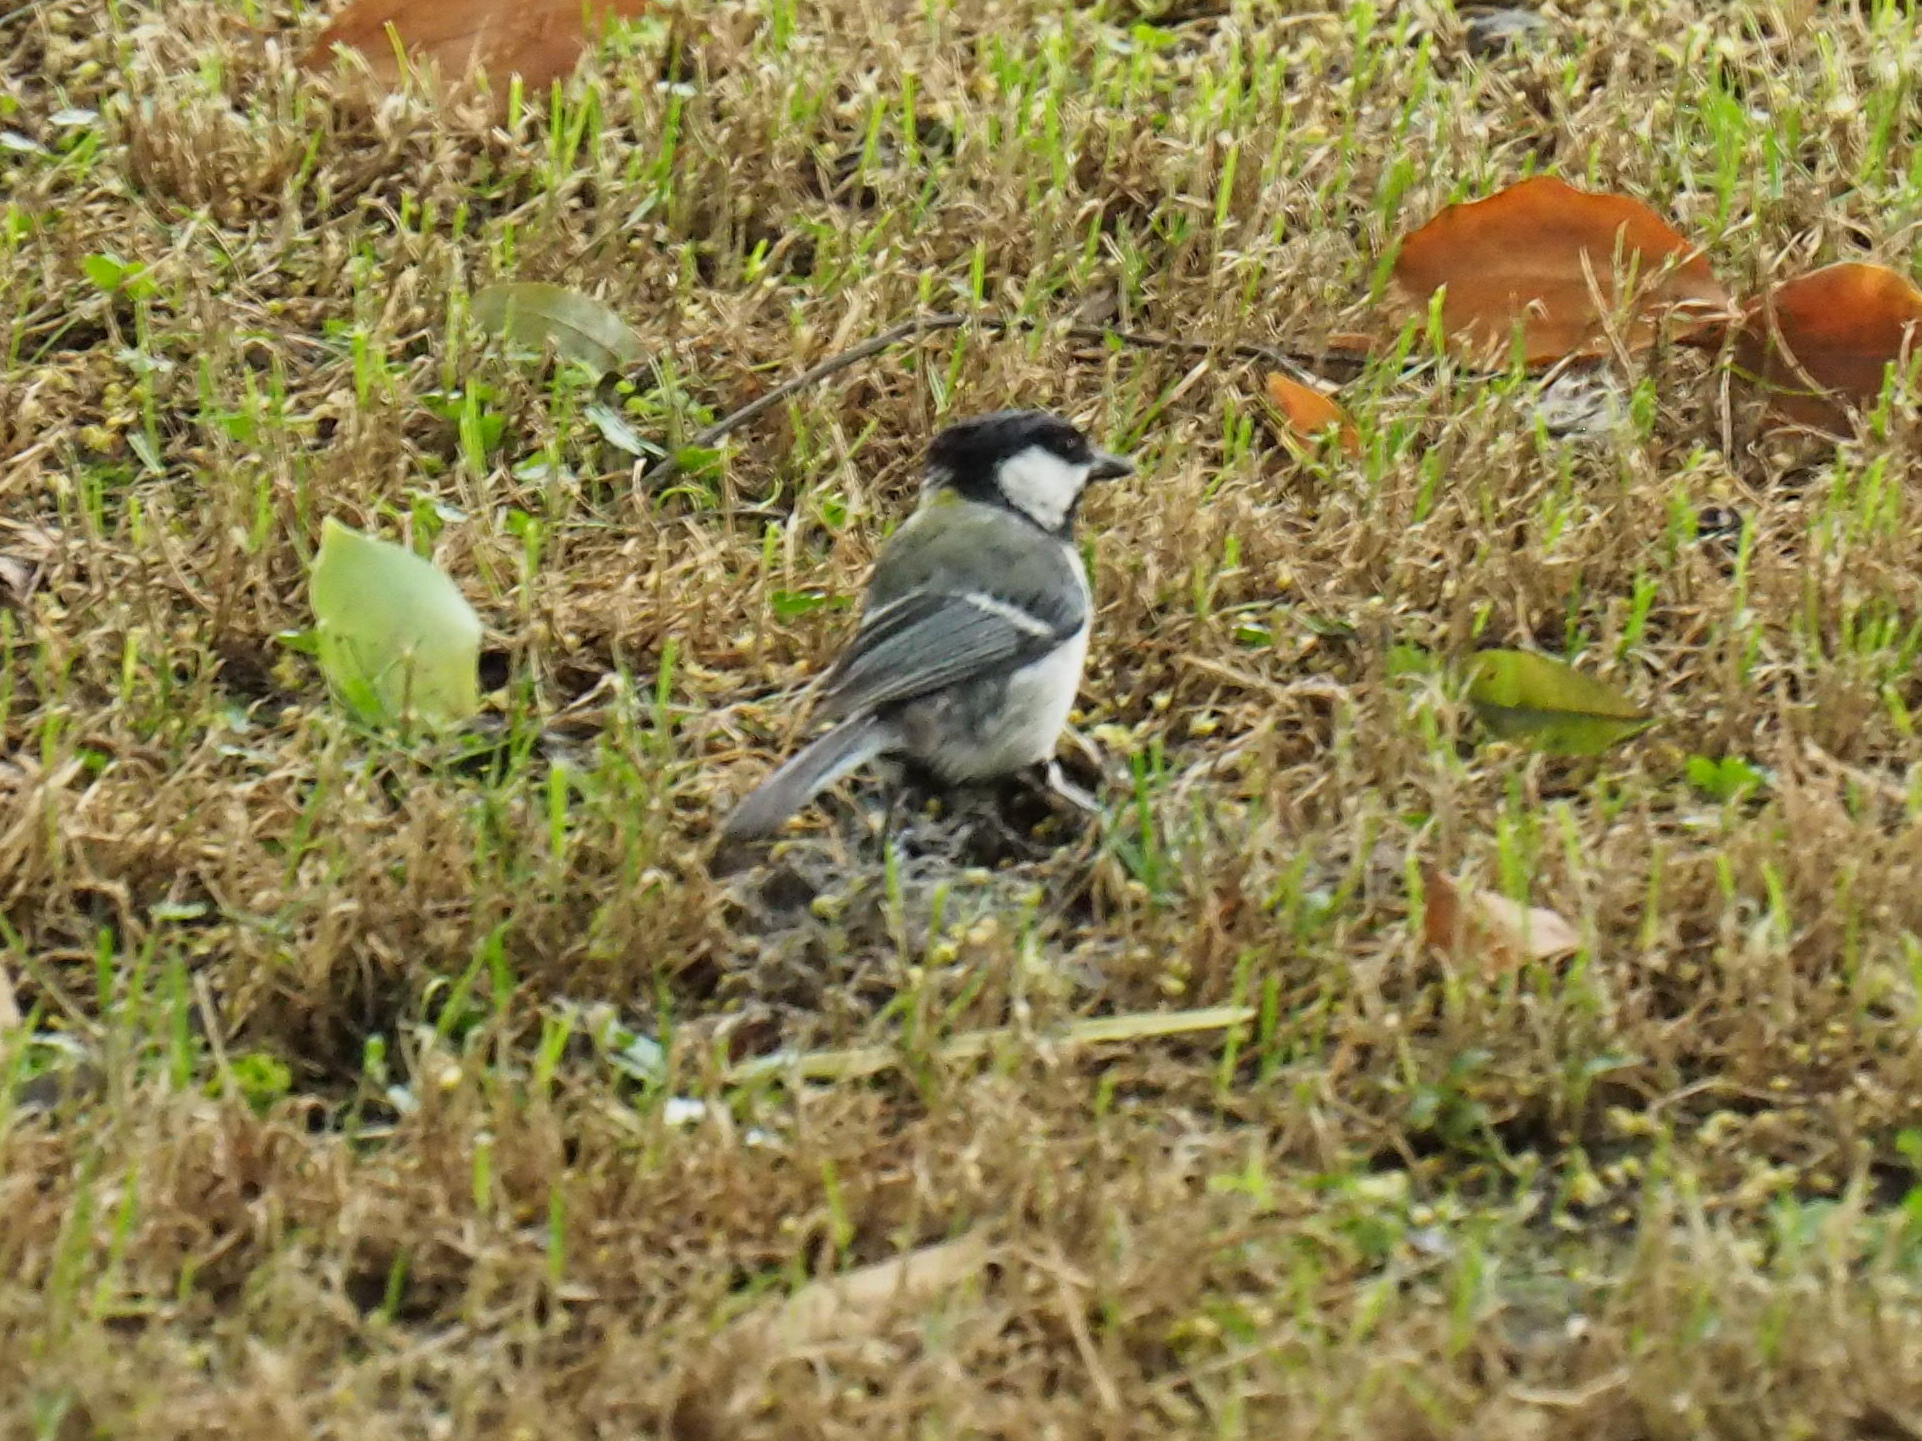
539	40
860	1301
861	1061
9	1004
838	1308
1491	31
1467	924
27	550
1544	254
1309	413
578	327
1822	343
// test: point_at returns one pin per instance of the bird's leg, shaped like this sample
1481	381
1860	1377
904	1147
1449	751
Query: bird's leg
1057	781
1111	773
891	818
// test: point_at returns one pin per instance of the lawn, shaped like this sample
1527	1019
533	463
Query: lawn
374	1085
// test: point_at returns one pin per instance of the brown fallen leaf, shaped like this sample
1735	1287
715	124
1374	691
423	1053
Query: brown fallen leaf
1542	253
723	1385
539	40
1469	924
1822	343
859	1301
1308	413
9	1004
1355	343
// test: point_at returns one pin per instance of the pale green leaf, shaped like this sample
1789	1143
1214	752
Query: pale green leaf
536	315
396	639
1547	703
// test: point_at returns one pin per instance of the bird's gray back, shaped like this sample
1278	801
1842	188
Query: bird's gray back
977	547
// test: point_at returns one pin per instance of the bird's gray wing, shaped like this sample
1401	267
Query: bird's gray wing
926	641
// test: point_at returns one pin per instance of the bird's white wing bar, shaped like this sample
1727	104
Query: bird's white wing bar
924	642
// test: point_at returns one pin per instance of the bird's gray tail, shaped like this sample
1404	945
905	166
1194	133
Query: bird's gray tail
811	770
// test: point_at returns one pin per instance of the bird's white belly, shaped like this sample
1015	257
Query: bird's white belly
1038	699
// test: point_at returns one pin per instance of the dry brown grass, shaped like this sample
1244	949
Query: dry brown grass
1654	1193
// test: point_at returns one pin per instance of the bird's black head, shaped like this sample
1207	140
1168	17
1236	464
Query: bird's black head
1030	461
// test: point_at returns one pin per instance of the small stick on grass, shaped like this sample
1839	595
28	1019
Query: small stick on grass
668	466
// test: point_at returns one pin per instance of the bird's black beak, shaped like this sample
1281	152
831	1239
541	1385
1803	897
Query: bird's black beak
1110	467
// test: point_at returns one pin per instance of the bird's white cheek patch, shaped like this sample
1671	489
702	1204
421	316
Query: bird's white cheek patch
1043	484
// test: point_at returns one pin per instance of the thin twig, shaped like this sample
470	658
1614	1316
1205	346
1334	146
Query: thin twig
669	465
1295	360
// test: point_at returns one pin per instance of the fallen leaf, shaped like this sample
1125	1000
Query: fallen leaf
1491	31
396	639
1348	343
1540	253
1094	1030
859	1301
27	550
9	1003
1468	924
729	1379
1309	413
1520	695
1582	402
1823	342
534	314
539	40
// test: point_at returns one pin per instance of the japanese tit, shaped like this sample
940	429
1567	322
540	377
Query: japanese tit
975	627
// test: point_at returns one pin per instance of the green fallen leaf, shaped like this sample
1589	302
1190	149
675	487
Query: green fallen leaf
397	640
536	315
260	1077
1520	695
1725	780
111	275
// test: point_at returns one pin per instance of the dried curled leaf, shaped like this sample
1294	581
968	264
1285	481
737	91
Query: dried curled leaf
1822	343
860	1301
726	1383
578	327
27	552
1310	413
1543	254
1520	695
539	40
1467	924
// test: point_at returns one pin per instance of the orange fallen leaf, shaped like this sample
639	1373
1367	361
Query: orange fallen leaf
1823	342
1309	412
1542	253
1469	924
539	40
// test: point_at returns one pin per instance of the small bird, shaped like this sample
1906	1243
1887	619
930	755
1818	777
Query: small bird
975	627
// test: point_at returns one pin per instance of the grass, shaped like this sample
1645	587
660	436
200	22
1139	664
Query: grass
369	1089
